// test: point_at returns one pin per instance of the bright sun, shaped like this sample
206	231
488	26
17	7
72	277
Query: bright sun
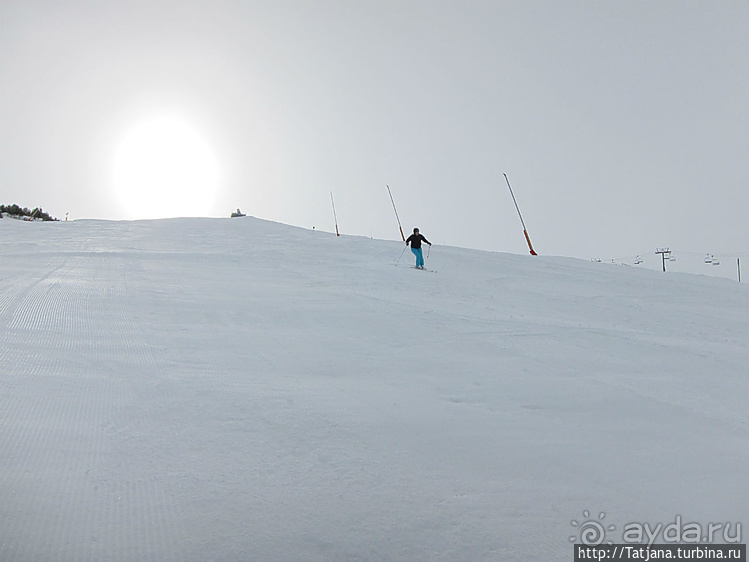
163	168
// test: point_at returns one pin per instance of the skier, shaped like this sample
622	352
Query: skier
416	239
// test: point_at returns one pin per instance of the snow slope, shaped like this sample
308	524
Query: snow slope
210	389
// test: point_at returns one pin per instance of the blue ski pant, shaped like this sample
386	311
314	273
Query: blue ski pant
419	256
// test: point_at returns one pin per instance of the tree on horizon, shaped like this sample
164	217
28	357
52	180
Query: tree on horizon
16	210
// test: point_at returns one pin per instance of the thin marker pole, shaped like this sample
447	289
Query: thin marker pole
738	267
334	215
396	213
525	231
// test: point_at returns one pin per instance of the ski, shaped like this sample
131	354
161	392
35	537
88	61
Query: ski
414	267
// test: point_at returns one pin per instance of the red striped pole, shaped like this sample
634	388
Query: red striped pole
396	213
525	231
334	215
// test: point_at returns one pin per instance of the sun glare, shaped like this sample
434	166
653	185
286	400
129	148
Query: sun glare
163	168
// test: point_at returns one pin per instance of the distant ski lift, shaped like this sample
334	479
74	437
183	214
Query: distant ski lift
672	258
638	260
708	259
716	261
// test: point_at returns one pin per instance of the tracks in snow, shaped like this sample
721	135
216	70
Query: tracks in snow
74	465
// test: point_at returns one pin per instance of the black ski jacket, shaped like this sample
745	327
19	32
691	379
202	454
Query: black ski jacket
416	240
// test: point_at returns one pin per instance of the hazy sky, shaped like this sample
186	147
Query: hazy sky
622	125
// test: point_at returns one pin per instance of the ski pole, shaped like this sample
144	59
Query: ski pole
429	250
403	252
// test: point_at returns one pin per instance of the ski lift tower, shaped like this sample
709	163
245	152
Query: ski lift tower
665	254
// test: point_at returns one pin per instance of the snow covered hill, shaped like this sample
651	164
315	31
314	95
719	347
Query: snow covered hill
215	389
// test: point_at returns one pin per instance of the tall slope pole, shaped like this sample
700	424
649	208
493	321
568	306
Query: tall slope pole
396	213
525	230
335	218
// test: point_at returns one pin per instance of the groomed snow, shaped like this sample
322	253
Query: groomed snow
210	389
